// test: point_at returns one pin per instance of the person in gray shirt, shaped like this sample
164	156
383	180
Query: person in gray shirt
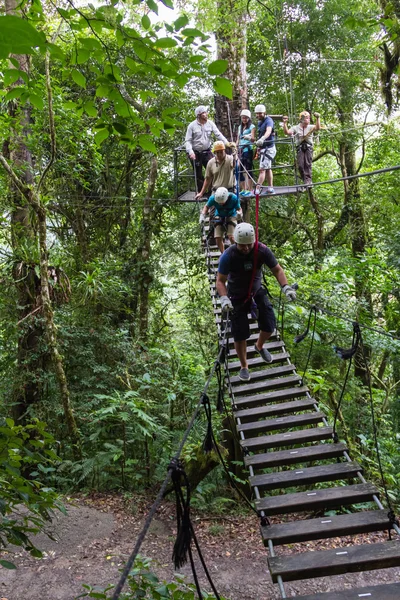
198	142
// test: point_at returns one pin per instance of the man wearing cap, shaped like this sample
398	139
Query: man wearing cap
266	147
227	206
198	142
304	141
236	267
220	170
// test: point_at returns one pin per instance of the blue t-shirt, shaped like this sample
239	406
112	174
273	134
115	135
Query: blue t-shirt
245	145
228	209
262	128
239	268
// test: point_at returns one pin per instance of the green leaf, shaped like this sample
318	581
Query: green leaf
168	3
82	56
90	108
165	42
146	143
121	128
18	36
70	105
146	22
192	32
196	59
132	65
181	22
97	25
120	38
217	67
78	78
223	86
36	101
152	6
182	80
14	93
101	135
103	91
12	75
7	565
56	52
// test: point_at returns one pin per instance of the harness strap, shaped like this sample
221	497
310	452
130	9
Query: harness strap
307	136
253	274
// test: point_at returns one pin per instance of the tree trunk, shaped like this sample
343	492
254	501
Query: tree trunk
30	359
231	46
358	235
145	276
31	198
51	333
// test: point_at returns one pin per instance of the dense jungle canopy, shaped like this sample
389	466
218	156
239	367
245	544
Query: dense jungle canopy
106	325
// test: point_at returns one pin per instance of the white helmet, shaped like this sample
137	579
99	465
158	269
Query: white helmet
260	108
221	195
244	234
200	109
245	113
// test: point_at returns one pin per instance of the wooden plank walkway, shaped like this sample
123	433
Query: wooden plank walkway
189	196
295	467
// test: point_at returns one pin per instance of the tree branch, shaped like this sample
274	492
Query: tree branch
336	229
51	122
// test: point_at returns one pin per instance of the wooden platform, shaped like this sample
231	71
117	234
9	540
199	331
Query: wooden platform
279	191
287	444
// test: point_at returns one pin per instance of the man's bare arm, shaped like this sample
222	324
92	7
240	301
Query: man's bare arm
221	284
279	274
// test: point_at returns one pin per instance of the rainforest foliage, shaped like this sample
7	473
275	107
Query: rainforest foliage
106	325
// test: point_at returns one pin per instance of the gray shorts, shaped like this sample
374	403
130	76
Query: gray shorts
266	157
231	223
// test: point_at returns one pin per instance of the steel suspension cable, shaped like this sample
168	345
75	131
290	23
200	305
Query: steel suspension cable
163	488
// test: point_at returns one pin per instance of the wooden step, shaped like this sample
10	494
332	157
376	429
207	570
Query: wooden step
263	374
270	346
249	414
253	337
289	457
389	591
317	499
256	362
287	383
348	559
288	439
273	384
326	527
305	476
258	386
310	418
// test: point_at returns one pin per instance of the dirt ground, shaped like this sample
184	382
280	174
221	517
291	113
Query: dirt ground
98	534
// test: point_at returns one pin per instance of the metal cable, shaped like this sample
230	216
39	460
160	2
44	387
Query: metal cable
160	494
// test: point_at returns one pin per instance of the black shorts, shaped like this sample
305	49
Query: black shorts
240	322
247	162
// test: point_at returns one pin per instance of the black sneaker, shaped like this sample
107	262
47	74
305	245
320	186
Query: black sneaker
244	374
265	355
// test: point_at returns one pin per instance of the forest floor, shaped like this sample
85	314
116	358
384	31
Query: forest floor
98	534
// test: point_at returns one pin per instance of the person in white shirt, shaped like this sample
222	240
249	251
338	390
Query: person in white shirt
198	142
304	141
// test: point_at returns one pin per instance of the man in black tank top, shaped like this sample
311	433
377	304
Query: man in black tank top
236	268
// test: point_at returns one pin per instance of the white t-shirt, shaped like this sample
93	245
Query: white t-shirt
299	132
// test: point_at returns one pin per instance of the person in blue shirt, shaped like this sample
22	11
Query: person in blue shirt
239	285
266	147
245	140
227	207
